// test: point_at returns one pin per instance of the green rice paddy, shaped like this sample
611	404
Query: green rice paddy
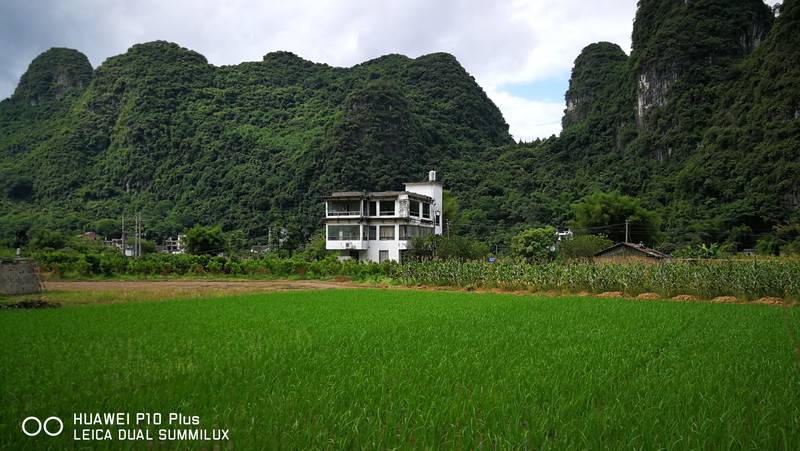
382	369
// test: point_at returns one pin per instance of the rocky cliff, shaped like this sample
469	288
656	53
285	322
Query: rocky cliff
692	41
52	75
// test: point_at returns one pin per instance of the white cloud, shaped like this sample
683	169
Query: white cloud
533	118
498	41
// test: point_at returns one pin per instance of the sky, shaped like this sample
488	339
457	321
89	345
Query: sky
519	51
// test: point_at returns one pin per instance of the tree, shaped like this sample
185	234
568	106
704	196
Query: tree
785	240
108	228
705	251
441	247
607	213
148	246
450	212
201	240
48	239
582	246
315	248
535	245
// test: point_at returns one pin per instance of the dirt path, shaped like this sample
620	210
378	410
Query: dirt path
82	292
181	285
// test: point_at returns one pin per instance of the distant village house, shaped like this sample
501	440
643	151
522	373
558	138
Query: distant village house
623	252
378	226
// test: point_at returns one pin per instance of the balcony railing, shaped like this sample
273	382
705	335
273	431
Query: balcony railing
344	213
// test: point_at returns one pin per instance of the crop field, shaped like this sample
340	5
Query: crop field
371	368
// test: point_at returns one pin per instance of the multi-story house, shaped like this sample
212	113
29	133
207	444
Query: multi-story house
378	226
173	245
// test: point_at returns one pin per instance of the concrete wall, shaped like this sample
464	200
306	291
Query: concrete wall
434	191
19	277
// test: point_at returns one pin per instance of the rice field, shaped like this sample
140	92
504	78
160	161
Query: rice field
369	369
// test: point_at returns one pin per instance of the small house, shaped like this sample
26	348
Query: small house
625	252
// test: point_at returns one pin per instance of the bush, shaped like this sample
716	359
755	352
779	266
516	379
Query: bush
441	247
48	239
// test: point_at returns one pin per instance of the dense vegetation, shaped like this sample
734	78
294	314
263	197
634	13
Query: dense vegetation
452	262
384	369
701	123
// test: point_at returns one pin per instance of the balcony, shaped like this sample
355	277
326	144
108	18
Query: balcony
335	214
358	245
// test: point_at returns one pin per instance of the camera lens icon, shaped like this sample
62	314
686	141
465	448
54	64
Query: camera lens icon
51	426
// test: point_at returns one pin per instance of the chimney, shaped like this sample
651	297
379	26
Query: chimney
432	176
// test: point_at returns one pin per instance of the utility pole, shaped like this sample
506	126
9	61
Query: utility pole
135	233
138	234
136	241
627	236
123	236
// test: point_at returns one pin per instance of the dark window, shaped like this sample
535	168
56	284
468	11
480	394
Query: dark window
408	232
387	208
387	233
371	233
426	210
342	232
373	208
414	208
344	208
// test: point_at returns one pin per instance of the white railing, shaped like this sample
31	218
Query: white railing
344	213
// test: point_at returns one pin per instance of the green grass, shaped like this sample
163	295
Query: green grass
399	368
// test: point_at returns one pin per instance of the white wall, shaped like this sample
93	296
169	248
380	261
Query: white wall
434	191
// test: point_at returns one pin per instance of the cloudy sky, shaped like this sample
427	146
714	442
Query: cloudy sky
520	51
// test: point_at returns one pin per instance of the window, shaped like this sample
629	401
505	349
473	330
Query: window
408	232
387	233
387	208
373	208
426	210
383	256
371	233
414	208
343	232
437	219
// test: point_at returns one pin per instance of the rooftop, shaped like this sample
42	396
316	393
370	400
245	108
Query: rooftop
374	195
639	247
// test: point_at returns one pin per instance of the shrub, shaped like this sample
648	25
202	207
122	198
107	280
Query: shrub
535	245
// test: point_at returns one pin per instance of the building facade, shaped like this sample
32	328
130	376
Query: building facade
378	226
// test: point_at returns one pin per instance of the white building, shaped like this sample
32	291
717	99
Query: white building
378	226
173	245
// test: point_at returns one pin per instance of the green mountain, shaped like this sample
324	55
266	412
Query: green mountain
250	146
701	122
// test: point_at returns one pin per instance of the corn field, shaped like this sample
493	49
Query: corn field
706	279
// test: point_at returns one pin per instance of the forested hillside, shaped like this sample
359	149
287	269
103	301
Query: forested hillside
701	122
251	146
